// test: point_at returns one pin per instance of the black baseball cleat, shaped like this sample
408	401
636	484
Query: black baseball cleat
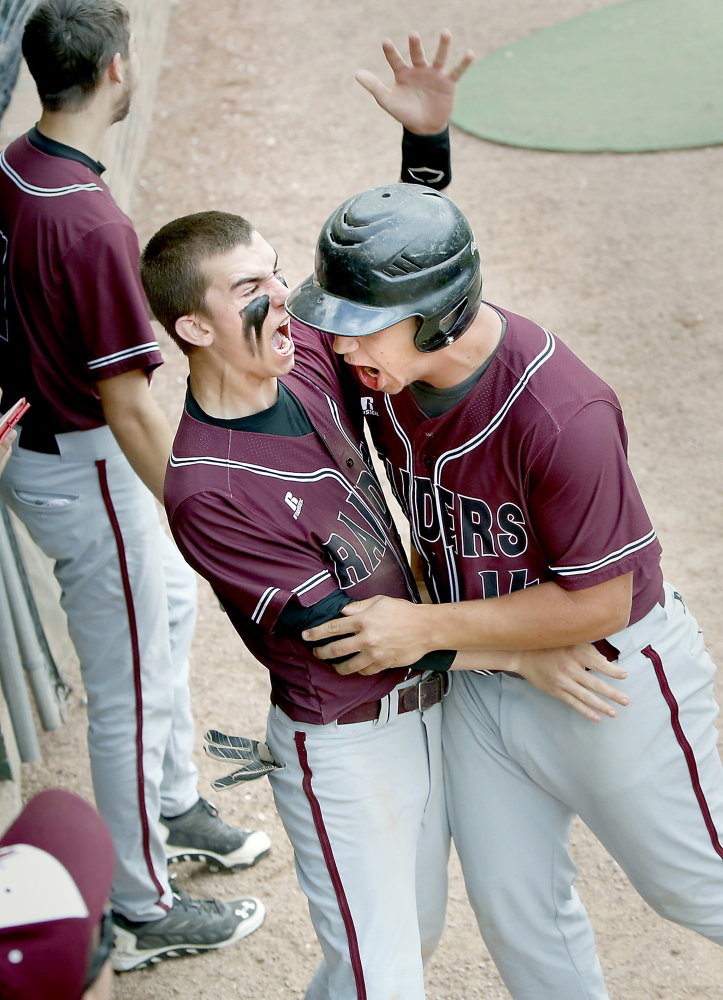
200	835
190	927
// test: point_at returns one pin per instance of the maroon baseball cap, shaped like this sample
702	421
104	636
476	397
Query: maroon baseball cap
56	866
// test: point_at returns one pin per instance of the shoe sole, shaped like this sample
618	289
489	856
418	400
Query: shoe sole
131	960
256	846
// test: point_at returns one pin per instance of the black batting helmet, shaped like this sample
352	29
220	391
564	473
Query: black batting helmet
388	254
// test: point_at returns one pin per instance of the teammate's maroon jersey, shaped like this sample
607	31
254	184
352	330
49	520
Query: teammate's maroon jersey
525	480
268	519
75	312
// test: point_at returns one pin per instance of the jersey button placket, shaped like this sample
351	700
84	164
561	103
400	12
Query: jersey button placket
427	459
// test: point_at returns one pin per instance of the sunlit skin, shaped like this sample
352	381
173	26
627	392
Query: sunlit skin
388	360
131	75
390	633
235	375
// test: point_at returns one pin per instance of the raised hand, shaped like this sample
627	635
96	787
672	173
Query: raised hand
422	95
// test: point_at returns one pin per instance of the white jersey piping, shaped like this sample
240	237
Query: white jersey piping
128	352
300	477
612	557
41	192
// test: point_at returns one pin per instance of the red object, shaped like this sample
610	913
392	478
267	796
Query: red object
56	866
13	415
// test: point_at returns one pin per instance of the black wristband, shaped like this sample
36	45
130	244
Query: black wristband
438	659
426	159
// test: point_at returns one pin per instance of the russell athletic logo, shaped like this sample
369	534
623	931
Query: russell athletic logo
367	403
294	502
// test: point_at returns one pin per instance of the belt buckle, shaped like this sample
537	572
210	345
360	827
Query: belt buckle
429	692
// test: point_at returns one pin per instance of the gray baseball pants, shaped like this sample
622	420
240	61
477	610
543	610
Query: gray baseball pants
363	806
131	606
520	764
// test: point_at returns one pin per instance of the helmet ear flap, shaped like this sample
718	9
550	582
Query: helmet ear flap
433	336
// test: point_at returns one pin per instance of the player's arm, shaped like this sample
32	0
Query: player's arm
421	98
296	619
388	630
139	426
423	93
570	673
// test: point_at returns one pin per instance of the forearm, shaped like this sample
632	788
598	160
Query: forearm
139	426
146	438
487	659
426	159
536	618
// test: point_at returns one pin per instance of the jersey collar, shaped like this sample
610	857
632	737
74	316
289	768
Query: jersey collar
54	148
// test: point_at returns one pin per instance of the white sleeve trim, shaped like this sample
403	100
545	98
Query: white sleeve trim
612	557
129	352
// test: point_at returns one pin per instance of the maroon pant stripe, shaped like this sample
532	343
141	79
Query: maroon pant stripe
685	747
361	992
135	647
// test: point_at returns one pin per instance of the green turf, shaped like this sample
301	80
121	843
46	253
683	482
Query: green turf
641	75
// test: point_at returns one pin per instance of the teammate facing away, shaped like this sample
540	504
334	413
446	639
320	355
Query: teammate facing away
77	342
508	456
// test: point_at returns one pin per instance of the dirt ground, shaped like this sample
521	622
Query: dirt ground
258	113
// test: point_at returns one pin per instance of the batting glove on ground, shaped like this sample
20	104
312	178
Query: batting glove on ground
256	758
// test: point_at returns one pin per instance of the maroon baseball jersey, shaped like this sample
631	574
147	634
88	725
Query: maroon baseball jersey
75	312
525	480
268	519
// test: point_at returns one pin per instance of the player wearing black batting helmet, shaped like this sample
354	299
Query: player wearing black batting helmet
272	498
392	253
509	458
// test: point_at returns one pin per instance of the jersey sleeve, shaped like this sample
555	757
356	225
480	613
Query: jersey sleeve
110	307
248	562
585	505
294	618
317	361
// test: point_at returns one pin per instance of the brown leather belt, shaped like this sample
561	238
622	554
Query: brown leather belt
415	697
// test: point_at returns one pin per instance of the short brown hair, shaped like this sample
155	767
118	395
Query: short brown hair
68	44
171	264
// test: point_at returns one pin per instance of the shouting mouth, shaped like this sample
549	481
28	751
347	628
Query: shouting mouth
367	375
281	339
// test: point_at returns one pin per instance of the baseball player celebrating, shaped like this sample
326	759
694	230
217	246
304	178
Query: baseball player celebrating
76	341
508	457
271	496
